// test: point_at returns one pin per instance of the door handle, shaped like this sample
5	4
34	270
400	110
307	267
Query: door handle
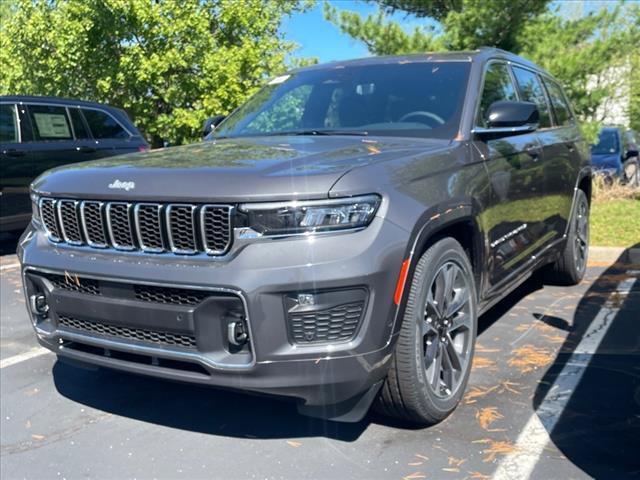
85	149
15	153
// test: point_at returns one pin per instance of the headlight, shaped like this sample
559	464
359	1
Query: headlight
303	217
35	208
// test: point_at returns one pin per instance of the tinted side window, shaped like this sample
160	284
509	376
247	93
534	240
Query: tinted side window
8	126
532	91
497	86
103	125
49	122
559	103
78	124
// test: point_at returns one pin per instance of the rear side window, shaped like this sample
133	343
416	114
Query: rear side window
103	125
50	122
497	86
559	103
532	91
78	124
8	124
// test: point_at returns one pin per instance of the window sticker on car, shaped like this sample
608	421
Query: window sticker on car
51	125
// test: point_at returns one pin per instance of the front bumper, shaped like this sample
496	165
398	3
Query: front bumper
258	280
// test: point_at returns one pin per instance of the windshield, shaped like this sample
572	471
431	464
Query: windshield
419	99
607	143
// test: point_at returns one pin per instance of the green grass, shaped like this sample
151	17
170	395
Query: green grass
615	223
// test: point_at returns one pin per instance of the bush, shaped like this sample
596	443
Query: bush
607	189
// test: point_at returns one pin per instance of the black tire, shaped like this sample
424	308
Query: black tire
570	268
408	392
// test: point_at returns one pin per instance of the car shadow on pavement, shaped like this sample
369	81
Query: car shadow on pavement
9	242
598	429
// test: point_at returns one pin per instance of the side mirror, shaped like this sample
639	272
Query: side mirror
211	123
509	118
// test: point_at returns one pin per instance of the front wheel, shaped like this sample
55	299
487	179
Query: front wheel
432	360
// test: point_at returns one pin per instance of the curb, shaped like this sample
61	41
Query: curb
605	256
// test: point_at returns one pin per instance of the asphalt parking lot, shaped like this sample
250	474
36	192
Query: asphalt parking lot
554	394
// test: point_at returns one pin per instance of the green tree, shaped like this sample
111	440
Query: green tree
459	24
169	64
591	55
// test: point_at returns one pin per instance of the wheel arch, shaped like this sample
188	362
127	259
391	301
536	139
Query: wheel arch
458	221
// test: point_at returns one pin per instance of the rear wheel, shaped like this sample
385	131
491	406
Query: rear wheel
569	269
432	360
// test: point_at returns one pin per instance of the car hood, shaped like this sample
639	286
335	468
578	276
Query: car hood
605	160
247	169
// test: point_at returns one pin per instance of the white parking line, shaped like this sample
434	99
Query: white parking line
10	266
534	437
21	357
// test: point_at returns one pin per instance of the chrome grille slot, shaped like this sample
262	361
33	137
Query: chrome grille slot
49	218
185	229
119	226
216	228
181	228
148	217
69	221
92	221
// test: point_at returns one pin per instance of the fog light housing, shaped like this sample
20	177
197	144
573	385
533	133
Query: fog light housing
38	303
306	299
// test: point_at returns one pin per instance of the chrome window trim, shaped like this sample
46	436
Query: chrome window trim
50	236
230	211
115	244
61	221
84	223
136	220
163	352
172	247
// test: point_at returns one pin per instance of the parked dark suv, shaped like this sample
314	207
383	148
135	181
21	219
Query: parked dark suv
334	242
616	155
39	133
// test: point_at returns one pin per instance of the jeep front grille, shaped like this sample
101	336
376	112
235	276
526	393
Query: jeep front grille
185	229
127	333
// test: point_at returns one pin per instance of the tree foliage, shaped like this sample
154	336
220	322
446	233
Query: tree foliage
592	55
169	64
381	36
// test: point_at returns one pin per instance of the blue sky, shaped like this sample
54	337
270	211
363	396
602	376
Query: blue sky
319	38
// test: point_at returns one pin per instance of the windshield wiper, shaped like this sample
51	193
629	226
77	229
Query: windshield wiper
360	133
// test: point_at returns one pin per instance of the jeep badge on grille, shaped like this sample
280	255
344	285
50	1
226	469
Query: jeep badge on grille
120	185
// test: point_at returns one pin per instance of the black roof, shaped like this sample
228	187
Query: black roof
53	100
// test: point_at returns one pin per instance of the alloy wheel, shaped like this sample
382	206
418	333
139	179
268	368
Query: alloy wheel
447	330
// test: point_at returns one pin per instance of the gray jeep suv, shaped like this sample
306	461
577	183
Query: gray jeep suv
333	241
